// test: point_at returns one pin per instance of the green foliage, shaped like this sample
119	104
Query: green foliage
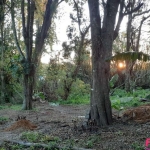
91	140
122	99
37	137
77	100
4	119
79	88
79	93
10	106
39	95
130	56
16	107
17	147
30	136
136	146
117	105
113	80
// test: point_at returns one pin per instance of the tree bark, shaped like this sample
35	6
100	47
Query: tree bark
102	39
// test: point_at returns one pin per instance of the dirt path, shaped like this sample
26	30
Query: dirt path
44	115
57	121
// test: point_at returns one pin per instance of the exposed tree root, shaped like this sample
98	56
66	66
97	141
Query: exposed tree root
28	144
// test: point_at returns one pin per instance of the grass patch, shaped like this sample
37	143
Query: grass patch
4	119
78	99
36	137
11	106
16	107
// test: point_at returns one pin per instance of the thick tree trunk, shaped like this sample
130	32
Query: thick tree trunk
102	39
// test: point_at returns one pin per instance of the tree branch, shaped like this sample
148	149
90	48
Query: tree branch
139	32
79	21
60	2
144	12
14	30
42	33
116	31
134	10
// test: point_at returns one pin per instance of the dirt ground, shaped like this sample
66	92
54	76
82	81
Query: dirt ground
57	121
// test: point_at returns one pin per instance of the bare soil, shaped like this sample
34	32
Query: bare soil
57	121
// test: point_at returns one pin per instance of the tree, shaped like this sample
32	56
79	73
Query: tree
30	56
133	38
103	33
78	44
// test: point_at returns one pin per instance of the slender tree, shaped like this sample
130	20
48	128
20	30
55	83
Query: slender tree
33	49
77	44
133	38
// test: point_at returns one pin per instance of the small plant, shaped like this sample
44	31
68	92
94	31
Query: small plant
17	147
37	137
16	107
136	146
30	136
113	80
4	118
47	138
117	105
91	141
39	95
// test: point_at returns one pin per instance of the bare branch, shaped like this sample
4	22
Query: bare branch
139	14
139	32
79	21
60	2
134	10
14	30
116	31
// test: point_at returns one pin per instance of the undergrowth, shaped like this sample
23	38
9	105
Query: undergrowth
119	100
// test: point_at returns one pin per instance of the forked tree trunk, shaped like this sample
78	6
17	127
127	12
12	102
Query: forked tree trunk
102	39
31	57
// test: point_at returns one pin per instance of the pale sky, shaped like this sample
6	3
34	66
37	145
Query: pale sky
61	26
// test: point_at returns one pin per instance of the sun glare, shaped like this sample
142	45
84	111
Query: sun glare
121	65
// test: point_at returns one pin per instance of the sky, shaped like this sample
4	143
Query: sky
61	26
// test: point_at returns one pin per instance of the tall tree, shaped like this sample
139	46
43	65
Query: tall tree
78	44
33	49
133	37
2	14
103	33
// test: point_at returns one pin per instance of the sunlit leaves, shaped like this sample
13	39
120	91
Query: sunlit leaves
130	56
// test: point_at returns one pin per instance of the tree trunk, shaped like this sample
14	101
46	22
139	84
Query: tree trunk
128	47
31	58
102	39
28	89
